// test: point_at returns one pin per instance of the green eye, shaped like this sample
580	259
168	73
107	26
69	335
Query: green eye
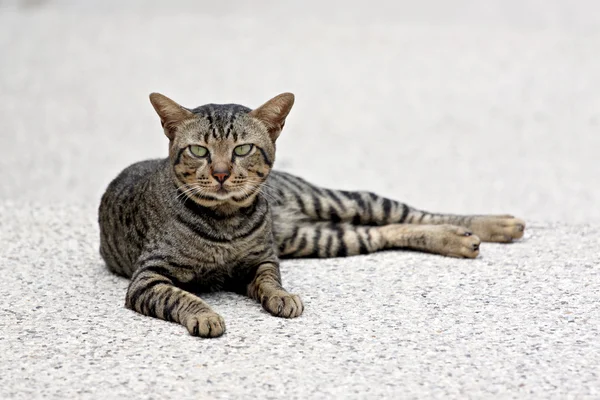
243	149
198	151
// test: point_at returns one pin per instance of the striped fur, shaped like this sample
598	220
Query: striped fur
177	230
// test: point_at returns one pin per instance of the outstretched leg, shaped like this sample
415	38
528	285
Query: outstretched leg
152	292
366	208
325	239
489	228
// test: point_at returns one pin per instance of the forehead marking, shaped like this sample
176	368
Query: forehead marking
221	120
229	123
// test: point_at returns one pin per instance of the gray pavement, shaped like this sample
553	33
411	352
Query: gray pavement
474	107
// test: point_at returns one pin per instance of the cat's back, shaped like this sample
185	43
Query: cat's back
133	176
123	215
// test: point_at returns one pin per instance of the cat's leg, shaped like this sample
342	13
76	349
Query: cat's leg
266	288
153	292
366	208
489	228
321	239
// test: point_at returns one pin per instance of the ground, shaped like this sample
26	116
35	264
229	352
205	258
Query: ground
469	108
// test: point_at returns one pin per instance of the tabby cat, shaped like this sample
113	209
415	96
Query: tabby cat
213	216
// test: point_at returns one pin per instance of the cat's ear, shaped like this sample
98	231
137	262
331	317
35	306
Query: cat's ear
273	113
170	113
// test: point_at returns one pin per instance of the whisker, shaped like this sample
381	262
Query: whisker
190	191
270	197
188	188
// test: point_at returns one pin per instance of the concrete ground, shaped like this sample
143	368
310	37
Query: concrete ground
463	106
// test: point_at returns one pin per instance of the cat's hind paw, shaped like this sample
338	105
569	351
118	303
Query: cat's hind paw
498	228
457	241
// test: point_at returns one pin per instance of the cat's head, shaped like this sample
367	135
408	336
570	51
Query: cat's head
222	153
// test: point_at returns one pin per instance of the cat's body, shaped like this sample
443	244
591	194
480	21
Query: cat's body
217	218
161	223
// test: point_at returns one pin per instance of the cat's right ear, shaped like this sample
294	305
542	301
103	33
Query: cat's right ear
170	113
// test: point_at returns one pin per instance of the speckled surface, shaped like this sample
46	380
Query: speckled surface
470	107
520	321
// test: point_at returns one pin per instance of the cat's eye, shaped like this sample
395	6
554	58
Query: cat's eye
242	149
199	151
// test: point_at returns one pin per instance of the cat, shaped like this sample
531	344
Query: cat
214	216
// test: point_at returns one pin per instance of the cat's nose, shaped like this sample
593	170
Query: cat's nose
221	175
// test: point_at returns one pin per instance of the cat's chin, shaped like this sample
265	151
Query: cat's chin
222	192
227	195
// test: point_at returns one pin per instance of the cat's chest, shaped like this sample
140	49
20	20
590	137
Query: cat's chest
210	242
222	247
224	255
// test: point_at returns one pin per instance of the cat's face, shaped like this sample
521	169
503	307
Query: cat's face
222	153
227	159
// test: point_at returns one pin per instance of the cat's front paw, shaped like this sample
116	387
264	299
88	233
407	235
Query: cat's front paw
498	228
282	304
206	325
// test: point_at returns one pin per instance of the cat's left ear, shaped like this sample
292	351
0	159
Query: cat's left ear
273	113
170	113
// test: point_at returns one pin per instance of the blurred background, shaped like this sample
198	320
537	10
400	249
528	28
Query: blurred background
461	106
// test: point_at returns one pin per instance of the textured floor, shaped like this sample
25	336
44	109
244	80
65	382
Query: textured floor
462	108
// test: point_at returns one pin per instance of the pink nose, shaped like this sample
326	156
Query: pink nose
221	176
